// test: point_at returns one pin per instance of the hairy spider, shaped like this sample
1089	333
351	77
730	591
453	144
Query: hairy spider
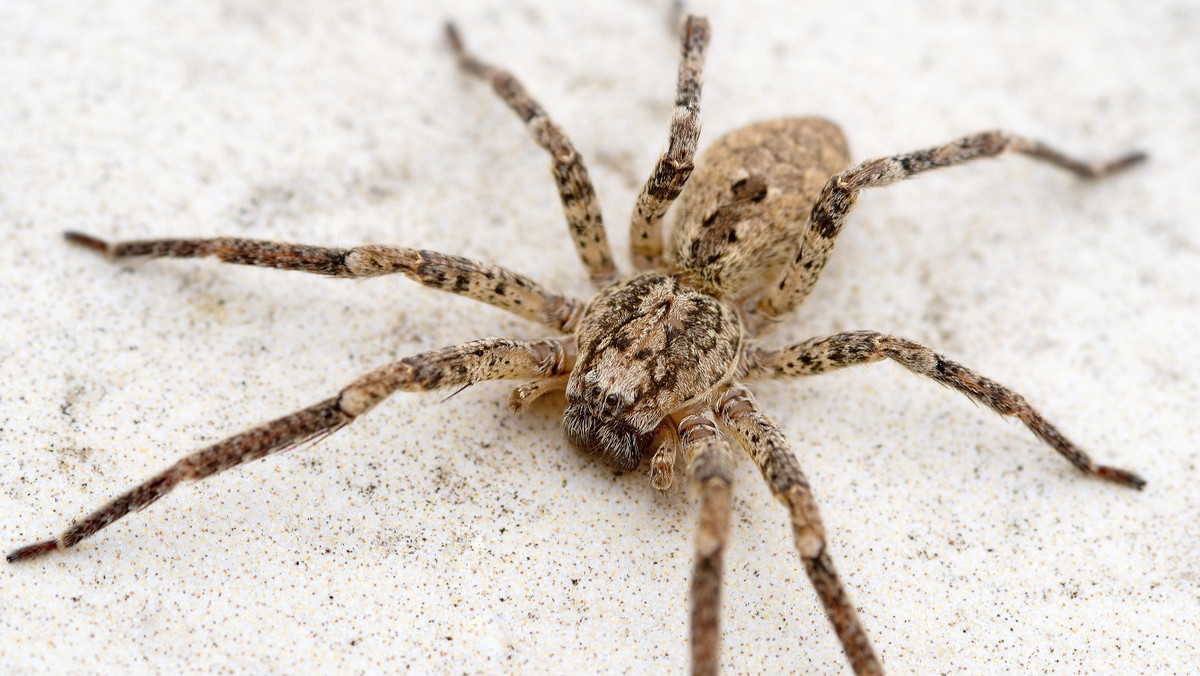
654	364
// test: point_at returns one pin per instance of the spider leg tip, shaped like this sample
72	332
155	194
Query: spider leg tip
84	240
1129	160
453	37
1121	476
31	551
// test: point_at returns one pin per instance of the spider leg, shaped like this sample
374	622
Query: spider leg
840	194
819	355
461	365
483	282
526	393
766	444
675	166
666	445
708	464
574	187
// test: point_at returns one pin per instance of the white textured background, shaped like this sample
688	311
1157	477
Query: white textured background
448	537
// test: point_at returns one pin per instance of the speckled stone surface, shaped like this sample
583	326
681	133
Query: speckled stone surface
453	537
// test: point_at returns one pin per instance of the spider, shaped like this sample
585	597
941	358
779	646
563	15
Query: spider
654	365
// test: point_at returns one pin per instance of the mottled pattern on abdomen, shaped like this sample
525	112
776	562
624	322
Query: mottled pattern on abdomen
742	213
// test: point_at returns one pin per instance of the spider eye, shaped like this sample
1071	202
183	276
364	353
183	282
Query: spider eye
616	442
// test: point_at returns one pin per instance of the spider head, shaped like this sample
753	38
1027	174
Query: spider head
609	413
613	439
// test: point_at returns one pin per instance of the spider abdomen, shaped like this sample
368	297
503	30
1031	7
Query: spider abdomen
749	199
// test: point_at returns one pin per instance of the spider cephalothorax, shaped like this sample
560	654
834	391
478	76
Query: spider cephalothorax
658	360
647	347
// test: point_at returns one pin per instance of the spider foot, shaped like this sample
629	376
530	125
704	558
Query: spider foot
93	243
32	551
1121	476
1124	162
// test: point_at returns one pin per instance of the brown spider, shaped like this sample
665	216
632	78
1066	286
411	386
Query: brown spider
654	364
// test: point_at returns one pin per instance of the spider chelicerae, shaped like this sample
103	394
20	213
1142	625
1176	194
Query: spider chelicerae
654	365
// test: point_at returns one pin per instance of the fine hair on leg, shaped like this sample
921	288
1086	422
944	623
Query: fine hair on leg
820	355
841	194
458	366
580	206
